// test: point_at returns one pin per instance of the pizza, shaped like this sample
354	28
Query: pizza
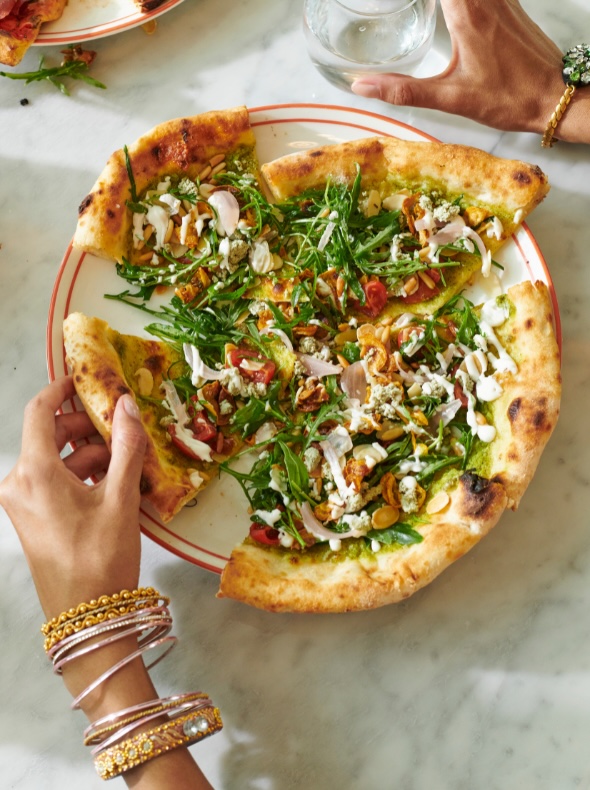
21	20
106	364
316	321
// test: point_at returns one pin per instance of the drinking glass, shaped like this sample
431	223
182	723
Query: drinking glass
347	39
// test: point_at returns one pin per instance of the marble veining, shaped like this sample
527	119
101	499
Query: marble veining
482	680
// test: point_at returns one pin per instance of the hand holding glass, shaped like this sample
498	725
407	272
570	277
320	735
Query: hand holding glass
347	39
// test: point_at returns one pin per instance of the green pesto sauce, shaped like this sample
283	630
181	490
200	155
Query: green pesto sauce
134	353
352	549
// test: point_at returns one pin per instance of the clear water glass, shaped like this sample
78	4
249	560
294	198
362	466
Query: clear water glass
347	39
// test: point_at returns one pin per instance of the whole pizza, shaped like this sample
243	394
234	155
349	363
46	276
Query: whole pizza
316	323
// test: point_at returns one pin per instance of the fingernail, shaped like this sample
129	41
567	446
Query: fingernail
130	406
369	90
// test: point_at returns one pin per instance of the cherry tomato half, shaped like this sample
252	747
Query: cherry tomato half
180	445
262	533
459	391
424	292
203	429
375	298
263	368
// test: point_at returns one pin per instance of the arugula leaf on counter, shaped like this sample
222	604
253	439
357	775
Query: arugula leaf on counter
73	69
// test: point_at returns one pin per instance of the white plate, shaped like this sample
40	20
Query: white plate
83	20
205	534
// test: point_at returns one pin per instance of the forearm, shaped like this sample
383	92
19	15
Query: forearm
130	686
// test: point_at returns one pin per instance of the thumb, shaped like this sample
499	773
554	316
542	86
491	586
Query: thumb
127	446
402	90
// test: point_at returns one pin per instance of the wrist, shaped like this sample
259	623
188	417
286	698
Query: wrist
574	127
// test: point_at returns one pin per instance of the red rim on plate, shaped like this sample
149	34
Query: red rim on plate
280	129
79	24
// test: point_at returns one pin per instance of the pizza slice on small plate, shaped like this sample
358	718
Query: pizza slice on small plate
20	22
438	428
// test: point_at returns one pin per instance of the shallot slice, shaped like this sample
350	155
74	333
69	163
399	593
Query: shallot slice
273	330
228	211
200	371
353	382
486	255
175	403
318	530
318	367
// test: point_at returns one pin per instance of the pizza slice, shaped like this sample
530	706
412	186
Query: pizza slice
20	22
392	467
393	225
150	204
186	434
203	388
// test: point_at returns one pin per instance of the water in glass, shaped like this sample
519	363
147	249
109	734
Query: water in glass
347	39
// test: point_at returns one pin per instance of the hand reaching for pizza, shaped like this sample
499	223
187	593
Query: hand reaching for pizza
81	541
504	72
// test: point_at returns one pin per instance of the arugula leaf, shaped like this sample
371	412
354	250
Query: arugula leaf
74	69
297	474
131	177
401	533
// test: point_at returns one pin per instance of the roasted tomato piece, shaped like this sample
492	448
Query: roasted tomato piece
424	291
203	429
375	298
251	365
262	533
459	391
180	445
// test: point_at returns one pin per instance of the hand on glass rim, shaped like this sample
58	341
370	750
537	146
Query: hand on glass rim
504	71
80	540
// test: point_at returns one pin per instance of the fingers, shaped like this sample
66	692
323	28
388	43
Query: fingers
127	450
72	427
88	460
406	91
39	420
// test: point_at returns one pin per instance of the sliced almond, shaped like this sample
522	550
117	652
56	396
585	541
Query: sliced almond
438	503
145	381
391	433
384	517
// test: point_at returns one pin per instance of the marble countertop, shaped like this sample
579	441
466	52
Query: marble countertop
482	680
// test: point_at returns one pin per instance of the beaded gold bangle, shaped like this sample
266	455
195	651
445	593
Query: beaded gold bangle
135	751
98	611
576	73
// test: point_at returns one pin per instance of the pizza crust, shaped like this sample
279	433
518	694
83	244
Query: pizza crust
527	411
94	354
286	582
418	166
182	147
524	415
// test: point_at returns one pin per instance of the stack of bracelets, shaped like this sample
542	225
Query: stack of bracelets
184	718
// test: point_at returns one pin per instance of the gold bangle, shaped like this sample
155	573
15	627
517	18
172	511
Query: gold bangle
548	137
163	707
575	73
135	751
98	611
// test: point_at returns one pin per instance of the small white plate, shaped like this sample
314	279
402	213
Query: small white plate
206	533
83	20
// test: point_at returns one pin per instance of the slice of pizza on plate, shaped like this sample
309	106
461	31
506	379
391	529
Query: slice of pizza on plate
186	441
152	199
395	225
412	458
20	22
